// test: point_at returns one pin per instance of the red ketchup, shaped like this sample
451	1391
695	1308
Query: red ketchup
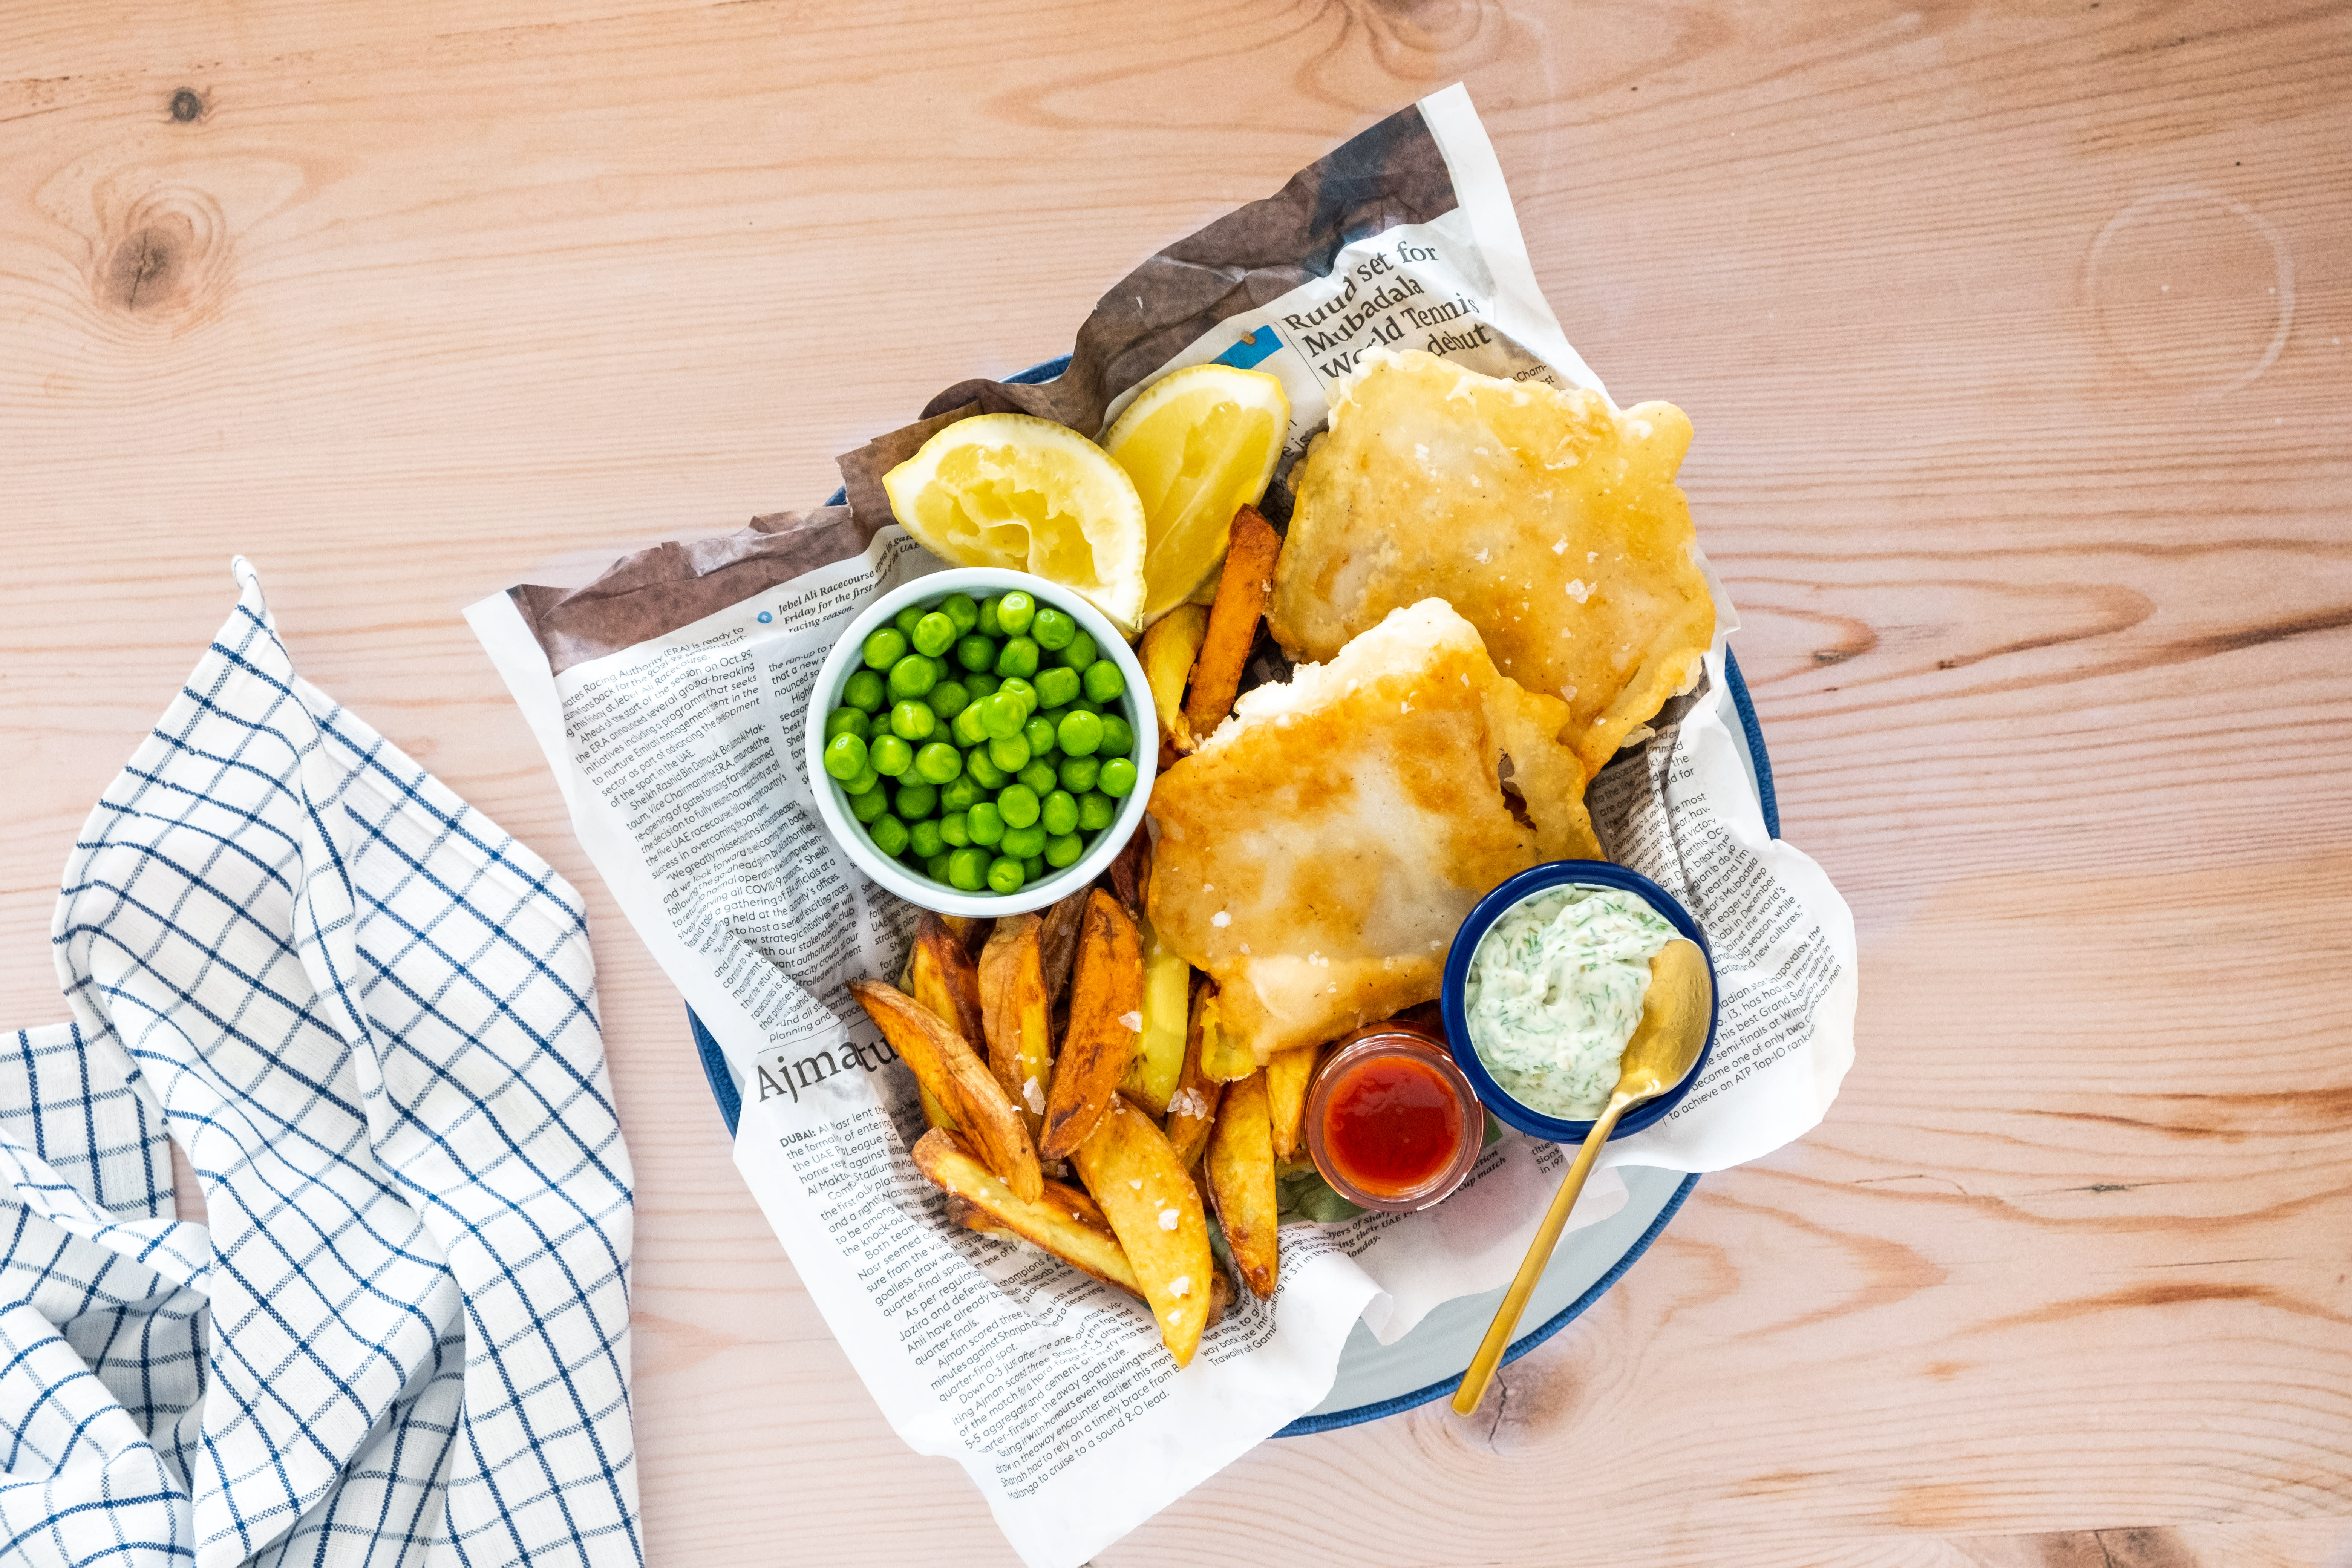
1392	1122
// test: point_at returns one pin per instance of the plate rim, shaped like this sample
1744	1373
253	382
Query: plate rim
731	1104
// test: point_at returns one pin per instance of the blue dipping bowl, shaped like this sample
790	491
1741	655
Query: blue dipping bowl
1526	885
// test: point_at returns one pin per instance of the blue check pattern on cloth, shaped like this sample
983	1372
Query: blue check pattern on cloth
368	1017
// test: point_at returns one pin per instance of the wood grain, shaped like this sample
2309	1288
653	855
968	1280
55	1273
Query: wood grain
2014	340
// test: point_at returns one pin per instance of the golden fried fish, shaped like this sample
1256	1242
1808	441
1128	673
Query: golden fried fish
1316	853
1550	521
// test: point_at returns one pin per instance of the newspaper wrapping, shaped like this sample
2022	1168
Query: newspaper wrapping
669	695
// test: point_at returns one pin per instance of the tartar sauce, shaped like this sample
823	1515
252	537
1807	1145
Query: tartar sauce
1555	991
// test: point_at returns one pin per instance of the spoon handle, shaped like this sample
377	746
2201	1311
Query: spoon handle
1514	1299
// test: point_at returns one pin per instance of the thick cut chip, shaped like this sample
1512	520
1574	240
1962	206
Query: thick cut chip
1547	519
1318	852
1155	1211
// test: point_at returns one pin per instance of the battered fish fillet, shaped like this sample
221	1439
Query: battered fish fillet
1317	851
1551	522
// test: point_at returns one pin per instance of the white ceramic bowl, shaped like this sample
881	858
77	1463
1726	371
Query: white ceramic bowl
980	581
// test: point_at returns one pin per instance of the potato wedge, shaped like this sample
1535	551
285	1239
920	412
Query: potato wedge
1059	1219
941	977
1167	653
1159	1057
1220	1297
1287	1074
1015	1015
1129	876
967	1088
1223	1056
1233	622
1106	1023
970	929
1057	943
1192	1109
1241	1180
1134	1175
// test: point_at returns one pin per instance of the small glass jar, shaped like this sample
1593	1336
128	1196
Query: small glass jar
1391	1121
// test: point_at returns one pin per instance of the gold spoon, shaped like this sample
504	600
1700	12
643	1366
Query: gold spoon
1663	1049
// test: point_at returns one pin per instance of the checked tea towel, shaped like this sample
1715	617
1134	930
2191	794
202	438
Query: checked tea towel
369	1017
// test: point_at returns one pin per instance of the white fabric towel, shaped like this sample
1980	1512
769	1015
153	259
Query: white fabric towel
369	1017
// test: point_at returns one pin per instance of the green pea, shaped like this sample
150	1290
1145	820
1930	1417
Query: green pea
1081	652
984	823
1018	803
1078	773
1023	692
937	763
933	634
987	625
982	771
960	796
1059	813
1053	628
889	755
1001	718
1017	656
948	699
864	691
1058	687
1039	733
1118	736
968	869
981	683
916	801
975	654
1016	611
865	808
1118	778
906	620
924	838
1086	704
913	676
936	868
1097	811
1063	850
1039	776
1103	680
965	728
1023	842
844	756
867	778
1034	867
884	646
1010	752
889	835
1081	733
1006	876
960	611
955	830
848	721
911	720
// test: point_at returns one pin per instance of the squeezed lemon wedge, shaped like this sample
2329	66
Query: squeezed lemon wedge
1200	443
1014	490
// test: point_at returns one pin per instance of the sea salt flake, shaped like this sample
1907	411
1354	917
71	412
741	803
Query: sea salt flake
1221	920
1561	547
1180	1286
1580	590
1131	1021
1032	1095
1481	556
1167	1219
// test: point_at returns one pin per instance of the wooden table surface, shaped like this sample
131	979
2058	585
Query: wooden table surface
2014	337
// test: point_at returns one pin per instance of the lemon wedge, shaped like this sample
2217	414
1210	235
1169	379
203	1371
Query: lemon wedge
1014	490
1200	443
